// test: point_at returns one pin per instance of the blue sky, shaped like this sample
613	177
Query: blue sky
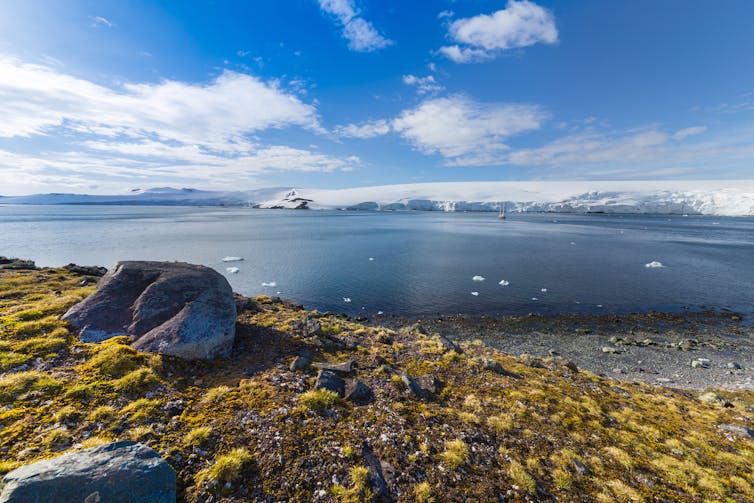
105	96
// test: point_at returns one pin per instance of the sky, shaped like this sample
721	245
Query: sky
105	96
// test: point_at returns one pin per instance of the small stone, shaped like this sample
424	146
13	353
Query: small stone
300	363
330	381
610	350
580	467
701	363
358	392
737	429
341	368
734	366
412	385
532	361
715	399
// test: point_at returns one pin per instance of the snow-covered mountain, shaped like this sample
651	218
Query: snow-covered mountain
705	197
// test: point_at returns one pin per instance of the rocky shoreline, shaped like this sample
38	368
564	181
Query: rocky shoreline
678	350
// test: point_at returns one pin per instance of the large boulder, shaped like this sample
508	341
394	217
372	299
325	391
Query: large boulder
173	308
120	472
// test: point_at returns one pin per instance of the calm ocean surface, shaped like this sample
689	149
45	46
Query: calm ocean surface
423	263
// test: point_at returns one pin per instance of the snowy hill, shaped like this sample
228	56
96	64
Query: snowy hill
702	197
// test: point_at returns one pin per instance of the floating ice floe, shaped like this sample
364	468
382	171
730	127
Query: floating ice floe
478	278
232	270
371	259
504	283
380	312
573	243
599	305
654	264
232	259
346	299
543	290
475	294
271	283
534	298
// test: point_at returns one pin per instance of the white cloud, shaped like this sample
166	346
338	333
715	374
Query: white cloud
365	130
464	131
445	13
190	131
689	131
481	37
361	35
424	85
38	99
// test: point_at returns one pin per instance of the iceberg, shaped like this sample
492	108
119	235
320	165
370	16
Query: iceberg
271	283
478	278
654	265
475	294
232	259
232	270
504	282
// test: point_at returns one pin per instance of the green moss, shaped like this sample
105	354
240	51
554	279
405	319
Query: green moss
102	414
142	410
456	453
197	436
225	468
136	381
12	386
114	360
11	359
318	400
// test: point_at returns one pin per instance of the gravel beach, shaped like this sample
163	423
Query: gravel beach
690	350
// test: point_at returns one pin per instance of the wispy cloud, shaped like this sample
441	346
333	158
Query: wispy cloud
362	36
364	130
101	22
689	131
483	37
424	85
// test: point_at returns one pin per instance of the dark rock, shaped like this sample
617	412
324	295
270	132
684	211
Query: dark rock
379	471
120	472
331	381
17	264
580	467
173	308
430	384
245	303
174	407
313	328
341	368
300	362
86	270
358	392
447	344
413	385
532	361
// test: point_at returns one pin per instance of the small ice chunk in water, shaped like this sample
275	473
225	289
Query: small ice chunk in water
371	259
599	305
504	283
534	298
543	289
232	270
478	278
573	243
475	294
232	259
346	299
380	312
654	264
271	283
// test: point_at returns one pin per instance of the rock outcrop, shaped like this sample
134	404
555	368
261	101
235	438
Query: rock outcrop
120	472
173	308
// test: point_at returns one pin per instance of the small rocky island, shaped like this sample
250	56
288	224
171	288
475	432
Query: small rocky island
155	383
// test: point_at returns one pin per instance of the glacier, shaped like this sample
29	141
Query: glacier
692	197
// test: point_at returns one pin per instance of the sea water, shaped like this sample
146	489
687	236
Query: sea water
416	263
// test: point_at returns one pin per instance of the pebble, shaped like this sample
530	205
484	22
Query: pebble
701	363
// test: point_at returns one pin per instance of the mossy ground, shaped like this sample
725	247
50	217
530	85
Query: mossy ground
237	429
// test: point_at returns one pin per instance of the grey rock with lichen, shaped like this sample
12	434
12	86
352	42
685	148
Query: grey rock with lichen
119	472
173	308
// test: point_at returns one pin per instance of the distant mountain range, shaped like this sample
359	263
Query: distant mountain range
700	197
